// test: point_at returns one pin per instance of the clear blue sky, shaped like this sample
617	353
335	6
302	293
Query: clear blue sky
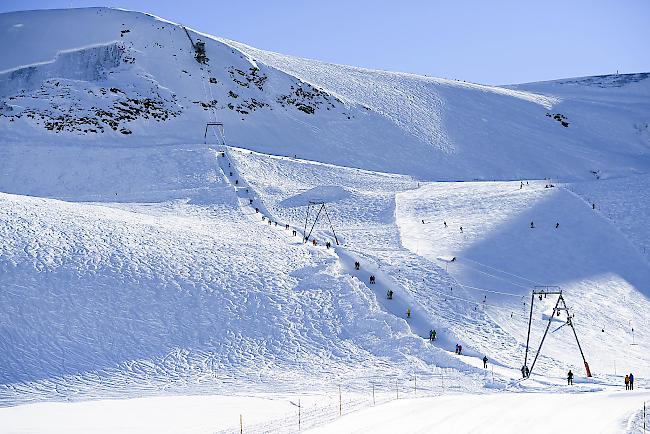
486	41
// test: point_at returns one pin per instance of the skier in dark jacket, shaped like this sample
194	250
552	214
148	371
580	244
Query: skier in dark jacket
569	378
485	360
631	381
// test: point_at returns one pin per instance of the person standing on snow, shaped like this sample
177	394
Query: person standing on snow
569	378
485	360
631	381
532	225
444	223
627	382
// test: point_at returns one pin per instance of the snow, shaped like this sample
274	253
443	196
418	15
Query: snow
131	79
144	267
186	414
499	258
608	412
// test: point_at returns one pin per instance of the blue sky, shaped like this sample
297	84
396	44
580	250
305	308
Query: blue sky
492	42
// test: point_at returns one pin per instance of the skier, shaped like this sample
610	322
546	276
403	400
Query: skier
532	225
422	221
557	225
389	294
521	185
461	229
593	206
327	244
408	312
257	210
357	265
314	242
460	349
523	371
631	381
456	349
294	233
250	201
627	382
569	378
485	359
432	335
444	223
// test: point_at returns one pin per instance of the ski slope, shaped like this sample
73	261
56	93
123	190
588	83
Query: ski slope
513	413
499	258
145	266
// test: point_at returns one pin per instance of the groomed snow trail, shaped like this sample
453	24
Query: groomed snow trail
420	322
601	412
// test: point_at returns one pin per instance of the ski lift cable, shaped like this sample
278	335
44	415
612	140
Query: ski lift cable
509	294
499	278
502	271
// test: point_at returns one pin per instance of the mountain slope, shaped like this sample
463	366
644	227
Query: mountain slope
135	81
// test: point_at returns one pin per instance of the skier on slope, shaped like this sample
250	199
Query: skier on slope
627	382
569	378
532	225
485	360
444	223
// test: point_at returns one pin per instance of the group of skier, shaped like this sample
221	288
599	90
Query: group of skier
629	382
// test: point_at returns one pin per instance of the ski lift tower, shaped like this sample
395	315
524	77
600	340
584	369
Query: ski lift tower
321	207
560	305
217	128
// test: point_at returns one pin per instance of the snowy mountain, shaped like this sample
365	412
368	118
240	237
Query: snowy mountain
130	78
142	254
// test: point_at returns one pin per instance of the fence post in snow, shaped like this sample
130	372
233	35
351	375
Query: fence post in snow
298	414
241	425
340	402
